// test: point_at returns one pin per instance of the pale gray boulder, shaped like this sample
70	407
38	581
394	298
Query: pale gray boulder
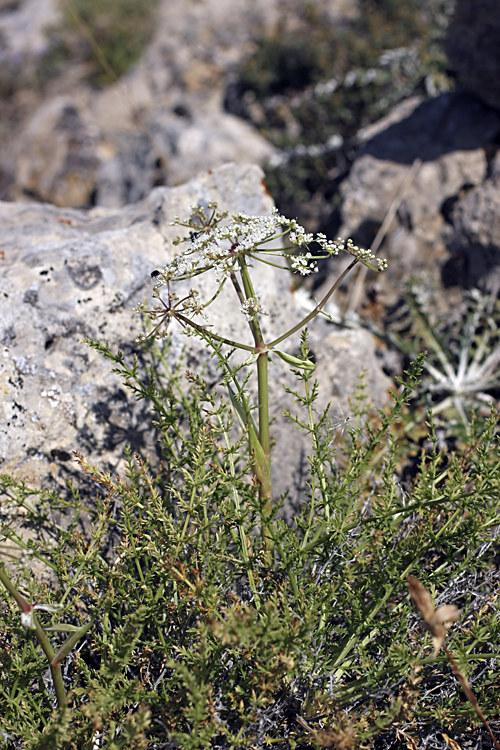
71	153
163	122
475	240
58	159
422	157
69	273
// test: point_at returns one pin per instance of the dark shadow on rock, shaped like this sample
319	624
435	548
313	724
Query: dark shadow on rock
473	265
456	121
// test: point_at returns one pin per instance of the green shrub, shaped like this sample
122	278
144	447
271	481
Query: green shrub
198	618
109	37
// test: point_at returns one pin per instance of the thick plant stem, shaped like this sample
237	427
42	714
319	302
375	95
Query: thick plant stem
260	446
262	468
262	363
265	482
55	669
241	528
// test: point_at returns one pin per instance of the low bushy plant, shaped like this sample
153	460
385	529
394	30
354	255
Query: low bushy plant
180	611
108	37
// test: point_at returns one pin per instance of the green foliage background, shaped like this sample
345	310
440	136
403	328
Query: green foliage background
116	30
329	653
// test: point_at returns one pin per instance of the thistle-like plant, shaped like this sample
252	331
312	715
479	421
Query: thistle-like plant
463	351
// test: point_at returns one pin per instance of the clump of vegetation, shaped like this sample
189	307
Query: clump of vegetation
108	37
182	612
310	90
463	350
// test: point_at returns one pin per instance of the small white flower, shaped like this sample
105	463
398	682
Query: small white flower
214	245
302	264
253	306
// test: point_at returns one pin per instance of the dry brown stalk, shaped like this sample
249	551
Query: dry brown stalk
438	621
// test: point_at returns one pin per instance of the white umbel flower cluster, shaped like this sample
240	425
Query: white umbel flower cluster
253	306
218	246
227	248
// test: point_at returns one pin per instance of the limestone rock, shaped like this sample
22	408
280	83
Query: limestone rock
70	157
59	162
475	241
23	25
160	124
185	144
69	274
449	135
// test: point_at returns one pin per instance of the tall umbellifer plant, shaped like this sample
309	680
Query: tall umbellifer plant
189	615
229	249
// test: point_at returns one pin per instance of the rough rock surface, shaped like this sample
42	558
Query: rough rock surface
473	48
69	274
161	124
58	161
23	25
475	240
453	137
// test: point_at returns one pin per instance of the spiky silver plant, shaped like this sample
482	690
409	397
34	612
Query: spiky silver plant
463	362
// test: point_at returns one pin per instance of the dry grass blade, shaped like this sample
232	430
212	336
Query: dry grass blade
451	742
470	695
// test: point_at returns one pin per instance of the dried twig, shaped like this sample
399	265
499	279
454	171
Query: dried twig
438	621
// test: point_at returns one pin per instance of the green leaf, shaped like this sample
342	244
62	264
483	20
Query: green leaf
302	364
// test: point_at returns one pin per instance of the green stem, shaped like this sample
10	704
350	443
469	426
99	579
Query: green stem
317	309
264	473
241	526
55	669
24	605
266	490
70	643
262	375
215	336
41	637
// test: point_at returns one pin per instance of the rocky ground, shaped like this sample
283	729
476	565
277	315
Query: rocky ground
67	143
422	182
